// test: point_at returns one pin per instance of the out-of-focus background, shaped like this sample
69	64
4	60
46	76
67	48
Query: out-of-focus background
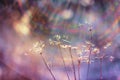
61	39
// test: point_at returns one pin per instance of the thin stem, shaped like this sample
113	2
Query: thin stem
88	65
72	62
64	63
47	66
79	69
101	68
89	54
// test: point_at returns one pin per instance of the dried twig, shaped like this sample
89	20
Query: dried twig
101	59
47	66
72	62
89	54
64	62
79	69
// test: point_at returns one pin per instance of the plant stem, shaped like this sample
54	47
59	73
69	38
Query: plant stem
90	48
101	68
78	69
64	63
88	65
47	66
72	62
